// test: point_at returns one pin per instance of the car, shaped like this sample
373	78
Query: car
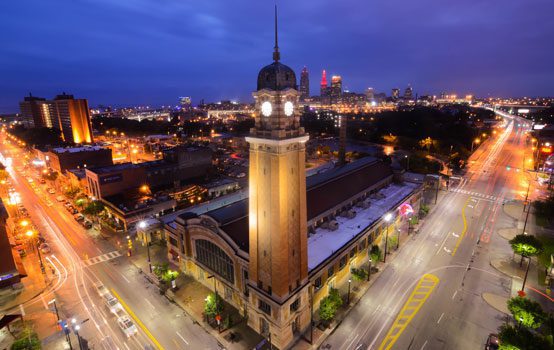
60	199
127	326
30	179
101	289
112	303
493	342
79	217
42	181
44	248
73	211
86	224
51	190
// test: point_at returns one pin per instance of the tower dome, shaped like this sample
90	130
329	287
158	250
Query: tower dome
276	76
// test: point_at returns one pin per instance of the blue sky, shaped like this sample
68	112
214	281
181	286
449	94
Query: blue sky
125	52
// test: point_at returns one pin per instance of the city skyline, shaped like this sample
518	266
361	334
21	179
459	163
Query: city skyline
141	53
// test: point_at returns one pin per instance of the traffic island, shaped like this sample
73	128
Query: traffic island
509	267
508	233
497	302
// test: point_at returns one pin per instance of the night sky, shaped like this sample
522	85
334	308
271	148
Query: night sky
124	52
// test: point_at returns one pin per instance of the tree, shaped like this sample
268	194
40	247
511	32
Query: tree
358	274
526	312
50	175
426	143
520	338
71	192
27	340
375	253
390	139
329	305
213	305
526	246
94	208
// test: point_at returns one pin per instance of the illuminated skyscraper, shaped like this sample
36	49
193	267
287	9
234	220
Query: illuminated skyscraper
395	93
36	112
324	90
336	88
72	117
304	84
185	102
408	93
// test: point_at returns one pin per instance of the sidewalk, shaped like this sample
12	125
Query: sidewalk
30	287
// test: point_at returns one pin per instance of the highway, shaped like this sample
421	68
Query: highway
430	295
161	324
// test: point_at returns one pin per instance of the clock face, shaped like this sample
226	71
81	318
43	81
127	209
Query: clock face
289	108
266	108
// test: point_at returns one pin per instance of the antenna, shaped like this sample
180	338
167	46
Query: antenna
276	54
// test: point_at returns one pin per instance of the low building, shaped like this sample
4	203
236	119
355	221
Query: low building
63	159
114	179
9	273
221	187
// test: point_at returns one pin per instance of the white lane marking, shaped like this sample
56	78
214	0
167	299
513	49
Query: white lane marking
470	206
149	303
424	344
127	346
43	301
440	318
125	278
183	339
443	242
22	310
454	295
447	250
455	235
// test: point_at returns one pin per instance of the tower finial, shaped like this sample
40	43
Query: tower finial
276	54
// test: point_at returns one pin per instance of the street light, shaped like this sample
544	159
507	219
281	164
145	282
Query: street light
475	141
53	301
369	269
407	162
348	298
31	235
143	225
525	278
387	218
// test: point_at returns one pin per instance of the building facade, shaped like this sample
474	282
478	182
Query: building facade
336	88
304	84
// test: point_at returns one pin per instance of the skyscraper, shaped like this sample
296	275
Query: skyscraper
36	112
69	115
185	102
72	117
395	93
408	93
323	91
370	94
336	88
304	84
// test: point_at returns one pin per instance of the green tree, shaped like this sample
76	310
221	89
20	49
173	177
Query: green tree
526	246
329	305
521	338
160	270
71	192
94	208
526	312
50	175
393	241
213	305
27	340
358	274
375	253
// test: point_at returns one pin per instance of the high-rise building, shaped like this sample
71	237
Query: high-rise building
395	93
408	93
69	115
370	94
304	84
36	112
185	102
336	88
324	90
72	117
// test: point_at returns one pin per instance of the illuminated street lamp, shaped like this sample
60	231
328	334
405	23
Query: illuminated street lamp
474	142
31	235
387	218
143	225
348	298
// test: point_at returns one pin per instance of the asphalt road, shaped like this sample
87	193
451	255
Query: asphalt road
160	323
455	244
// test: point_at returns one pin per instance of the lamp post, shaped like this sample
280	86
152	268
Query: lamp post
475	141
31	235
369	269
216	299
53	301
526	272
143	225
348	298
387	218
398	240
407	162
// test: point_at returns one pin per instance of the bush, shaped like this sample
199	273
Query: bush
27	340
329	305
359	274
213	305
375	253
527	312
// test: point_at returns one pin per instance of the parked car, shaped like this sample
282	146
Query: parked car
42	181
78	217
101	289
51	190
60	199
112	303
493	342
87	224
44	248
127	326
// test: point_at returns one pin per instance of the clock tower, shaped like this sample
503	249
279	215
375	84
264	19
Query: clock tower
278	265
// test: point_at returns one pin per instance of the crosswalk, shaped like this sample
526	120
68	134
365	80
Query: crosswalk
102	258
475	194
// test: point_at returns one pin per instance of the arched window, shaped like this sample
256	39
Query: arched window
213	257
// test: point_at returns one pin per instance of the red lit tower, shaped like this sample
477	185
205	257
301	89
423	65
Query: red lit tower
324	89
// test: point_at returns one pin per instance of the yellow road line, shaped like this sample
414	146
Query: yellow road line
416	300
464	229
137	320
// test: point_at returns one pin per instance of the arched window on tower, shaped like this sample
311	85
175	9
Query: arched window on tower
214	258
